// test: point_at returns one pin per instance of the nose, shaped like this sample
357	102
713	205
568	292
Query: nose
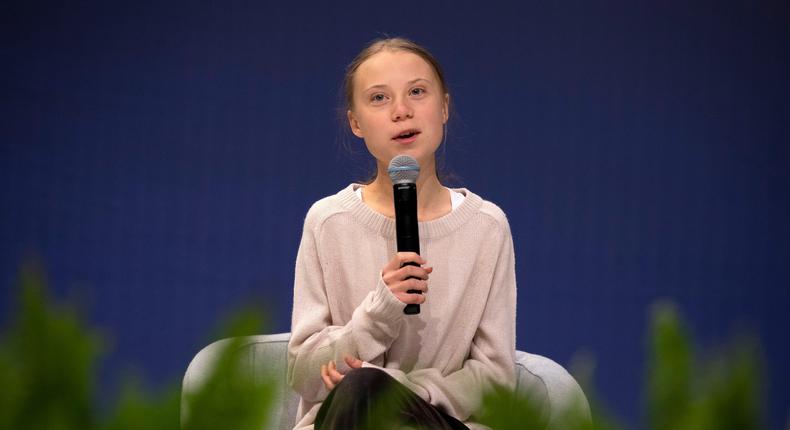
401	110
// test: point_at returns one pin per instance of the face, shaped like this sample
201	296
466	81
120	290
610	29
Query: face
399	107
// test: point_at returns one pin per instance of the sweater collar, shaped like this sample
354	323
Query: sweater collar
386	226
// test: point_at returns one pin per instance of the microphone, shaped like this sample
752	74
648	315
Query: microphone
403	171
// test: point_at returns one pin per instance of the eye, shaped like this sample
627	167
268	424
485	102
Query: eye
417	91
378	98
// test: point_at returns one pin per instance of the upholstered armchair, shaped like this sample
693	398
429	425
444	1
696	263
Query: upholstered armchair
543	381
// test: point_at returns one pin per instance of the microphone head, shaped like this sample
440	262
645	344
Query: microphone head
403	169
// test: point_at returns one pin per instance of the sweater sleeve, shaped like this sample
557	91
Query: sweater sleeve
492	353
314	340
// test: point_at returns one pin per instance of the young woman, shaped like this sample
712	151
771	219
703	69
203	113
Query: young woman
351	343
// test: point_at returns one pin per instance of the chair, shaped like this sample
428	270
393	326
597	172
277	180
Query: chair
542	380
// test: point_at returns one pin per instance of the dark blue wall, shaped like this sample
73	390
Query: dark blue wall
159	159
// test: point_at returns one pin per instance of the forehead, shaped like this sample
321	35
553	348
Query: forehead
392	68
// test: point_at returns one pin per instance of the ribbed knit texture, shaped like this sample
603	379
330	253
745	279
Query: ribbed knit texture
461	343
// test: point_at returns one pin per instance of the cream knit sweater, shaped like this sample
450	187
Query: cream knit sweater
461	343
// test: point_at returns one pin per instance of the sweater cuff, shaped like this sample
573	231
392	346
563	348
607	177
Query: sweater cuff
377	322
384	305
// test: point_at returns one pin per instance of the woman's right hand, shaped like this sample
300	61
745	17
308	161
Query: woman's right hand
400	277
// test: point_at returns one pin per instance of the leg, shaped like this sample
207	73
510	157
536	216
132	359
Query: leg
369	398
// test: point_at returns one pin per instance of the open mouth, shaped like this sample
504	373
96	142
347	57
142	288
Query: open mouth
407	135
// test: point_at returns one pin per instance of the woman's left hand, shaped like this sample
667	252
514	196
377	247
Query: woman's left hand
332	376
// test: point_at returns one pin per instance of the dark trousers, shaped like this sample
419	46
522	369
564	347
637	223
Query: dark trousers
369	398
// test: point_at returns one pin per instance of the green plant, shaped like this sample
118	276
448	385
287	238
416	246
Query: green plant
722	391
719	391
48	356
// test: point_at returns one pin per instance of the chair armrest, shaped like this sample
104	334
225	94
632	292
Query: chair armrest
558	394
263	357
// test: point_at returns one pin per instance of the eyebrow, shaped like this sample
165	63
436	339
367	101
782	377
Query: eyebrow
385	86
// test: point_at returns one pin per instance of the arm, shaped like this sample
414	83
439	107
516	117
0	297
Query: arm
491	355
314	340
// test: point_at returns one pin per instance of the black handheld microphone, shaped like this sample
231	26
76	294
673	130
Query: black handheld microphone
403	171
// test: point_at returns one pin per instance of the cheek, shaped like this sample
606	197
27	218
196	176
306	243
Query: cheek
365	124
376	126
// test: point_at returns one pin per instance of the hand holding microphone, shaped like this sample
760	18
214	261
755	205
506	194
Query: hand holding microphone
406	278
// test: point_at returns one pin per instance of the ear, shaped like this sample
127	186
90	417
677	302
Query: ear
354	124
446	107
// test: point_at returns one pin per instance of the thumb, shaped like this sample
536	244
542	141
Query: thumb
353	362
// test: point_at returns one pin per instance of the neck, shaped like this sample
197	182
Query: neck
433	199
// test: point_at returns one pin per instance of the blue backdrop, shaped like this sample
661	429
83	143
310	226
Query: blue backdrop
159	160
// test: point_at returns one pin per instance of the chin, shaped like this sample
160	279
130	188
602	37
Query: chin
419	153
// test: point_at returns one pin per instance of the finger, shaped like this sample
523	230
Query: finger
389	271
413	271
325	377
392	279
353	362
410	284
410	257
399	259
334	375
410	298
406	294
417	284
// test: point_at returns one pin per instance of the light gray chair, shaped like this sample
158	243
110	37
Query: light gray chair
542	380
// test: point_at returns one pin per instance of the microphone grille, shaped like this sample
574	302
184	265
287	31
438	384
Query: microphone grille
403	169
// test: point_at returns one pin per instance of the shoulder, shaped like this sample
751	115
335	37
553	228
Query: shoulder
323	210
491	213
494	212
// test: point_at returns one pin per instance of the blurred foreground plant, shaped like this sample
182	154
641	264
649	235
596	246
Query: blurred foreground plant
231	397
48	356
717	391
721	391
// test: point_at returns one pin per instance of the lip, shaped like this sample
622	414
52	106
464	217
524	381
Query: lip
407	140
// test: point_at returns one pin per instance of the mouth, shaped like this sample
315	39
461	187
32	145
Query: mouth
407	136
